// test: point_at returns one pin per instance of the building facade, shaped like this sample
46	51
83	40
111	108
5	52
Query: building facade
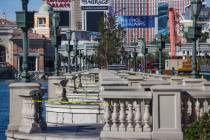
41	54
136	8
179	5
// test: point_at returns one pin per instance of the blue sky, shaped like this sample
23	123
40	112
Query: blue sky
10	6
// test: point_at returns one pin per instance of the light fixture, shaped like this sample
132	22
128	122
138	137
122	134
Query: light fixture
196	6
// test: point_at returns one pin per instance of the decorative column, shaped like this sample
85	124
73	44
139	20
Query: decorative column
115	116
130	117
138	127
146	117
122	116
107	117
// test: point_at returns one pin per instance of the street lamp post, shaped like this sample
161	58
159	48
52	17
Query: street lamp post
69	49
75	46
83	61
135	61
195	7
55	40
24	20
80	60
161	47
144	52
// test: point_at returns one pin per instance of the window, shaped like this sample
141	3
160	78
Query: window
2	54
41	22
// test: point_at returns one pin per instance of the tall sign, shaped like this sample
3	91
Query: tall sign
136	21
60	5
163	19
94	4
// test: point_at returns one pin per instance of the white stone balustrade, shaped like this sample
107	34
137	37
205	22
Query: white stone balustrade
127	113
194	105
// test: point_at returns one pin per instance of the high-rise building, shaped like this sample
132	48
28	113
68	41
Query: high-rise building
132	9
177	4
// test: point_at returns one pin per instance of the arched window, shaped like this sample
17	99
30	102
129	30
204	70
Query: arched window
2	54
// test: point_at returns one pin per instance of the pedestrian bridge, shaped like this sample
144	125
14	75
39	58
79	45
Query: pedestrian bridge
107	105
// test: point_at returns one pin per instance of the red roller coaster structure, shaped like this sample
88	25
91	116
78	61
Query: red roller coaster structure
175	28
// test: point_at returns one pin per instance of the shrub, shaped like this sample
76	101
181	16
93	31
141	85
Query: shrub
199	130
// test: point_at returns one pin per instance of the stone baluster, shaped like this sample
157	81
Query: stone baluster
115	116
146	117
205	106
107	117
142	107
122	116
138	126
197	109
130	117
189	107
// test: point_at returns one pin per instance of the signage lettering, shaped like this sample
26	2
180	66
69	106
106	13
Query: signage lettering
136	21
59	4
94	4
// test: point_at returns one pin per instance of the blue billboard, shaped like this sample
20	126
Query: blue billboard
136	21
163	19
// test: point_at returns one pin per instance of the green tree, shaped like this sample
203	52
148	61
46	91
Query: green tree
110	42
204	36
199	130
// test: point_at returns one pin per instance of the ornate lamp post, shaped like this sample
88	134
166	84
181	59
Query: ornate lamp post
75	40
80	59
161	47
69	49
135	61
144	51
56	40
196	8
25	20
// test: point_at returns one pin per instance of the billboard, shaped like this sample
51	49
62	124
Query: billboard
57	5
163	19
94	4
136	21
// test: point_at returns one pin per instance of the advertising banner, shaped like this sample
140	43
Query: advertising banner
136	21
163	19
60	5
94	4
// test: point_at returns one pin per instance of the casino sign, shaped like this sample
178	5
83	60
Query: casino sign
62	5
94	4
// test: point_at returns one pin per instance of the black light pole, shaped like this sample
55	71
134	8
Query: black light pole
161	47
80	60
144	51
135	60
69	48
25	20
196	8
56	40
83	61
75	46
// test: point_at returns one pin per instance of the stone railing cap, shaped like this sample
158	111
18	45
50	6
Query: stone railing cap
198	94
167	88
155	82
126	95
56	77
26	85
135	78
191	80
120	88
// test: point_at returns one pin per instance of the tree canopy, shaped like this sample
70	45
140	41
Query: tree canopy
110	42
